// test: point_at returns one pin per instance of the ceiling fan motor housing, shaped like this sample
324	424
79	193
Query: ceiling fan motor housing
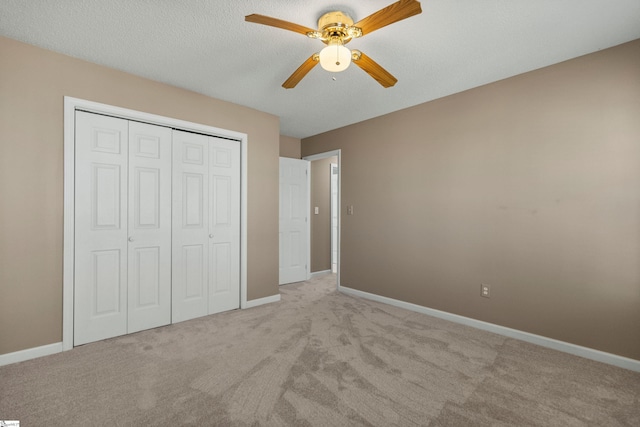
337	25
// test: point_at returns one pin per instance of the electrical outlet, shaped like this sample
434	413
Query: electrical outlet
485	291
350	210
316	210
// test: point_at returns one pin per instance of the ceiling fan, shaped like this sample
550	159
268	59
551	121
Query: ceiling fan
335	29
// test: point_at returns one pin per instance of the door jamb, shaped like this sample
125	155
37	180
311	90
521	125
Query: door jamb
70	106
331	206
320	156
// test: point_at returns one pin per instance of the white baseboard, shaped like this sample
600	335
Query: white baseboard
261	301
587	353
30	353
46	350
319	273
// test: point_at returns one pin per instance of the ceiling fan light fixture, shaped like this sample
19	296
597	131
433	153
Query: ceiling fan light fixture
336	29
335	57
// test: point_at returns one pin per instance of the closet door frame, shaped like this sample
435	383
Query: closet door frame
70	106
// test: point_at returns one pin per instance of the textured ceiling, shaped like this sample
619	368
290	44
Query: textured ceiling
207	47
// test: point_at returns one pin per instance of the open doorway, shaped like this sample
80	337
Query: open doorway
324	227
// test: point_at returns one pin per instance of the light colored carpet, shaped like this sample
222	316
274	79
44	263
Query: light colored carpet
317	358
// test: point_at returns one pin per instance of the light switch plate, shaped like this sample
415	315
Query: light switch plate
316	210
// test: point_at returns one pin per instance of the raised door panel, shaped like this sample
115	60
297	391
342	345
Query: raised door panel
149	231
105	283
190	230
224	225
147	188
106	196
293	220
100	276
147	272
193	214
222	258
194	272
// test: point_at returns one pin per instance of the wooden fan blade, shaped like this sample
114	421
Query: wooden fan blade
393	13
279	23
302	71
372	68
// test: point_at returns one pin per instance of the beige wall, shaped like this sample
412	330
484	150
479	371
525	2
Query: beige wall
321	223
530	184
33	83
289	147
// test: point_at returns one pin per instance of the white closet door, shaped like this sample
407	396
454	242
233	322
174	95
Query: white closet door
100	295
190	229
224	225
149	247
294	174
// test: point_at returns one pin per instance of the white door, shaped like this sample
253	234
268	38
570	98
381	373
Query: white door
206	225
149	248
294	175
123	227
100	296
190	225
224	225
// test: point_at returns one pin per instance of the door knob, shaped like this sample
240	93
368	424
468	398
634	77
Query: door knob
211	236
131	239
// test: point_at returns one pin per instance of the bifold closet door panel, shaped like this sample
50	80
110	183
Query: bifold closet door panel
190	229
149	234
100	276
224	225
157	226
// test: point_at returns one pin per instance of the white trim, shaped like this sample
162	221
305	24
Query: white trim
70	106
243	221
321	156
308	213
30	353
320	273
333	187
68	239
576	350
261	301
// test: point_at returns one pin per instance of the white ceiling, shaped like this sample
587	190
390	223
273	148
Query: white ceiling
207	47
